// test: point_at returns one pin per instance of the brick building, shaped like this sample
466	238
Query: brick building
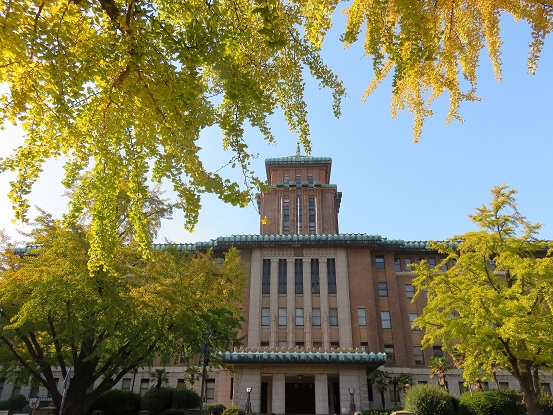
322	309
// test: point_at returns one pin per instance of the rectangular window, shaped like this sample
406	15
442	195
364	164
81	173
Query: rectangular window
286	217
331	273
299	316
316	317
286	178
437	351
315	288
334	345
210	389
266	278
298	180
282	276
409	291
397	264
463	387
310	179
419	356
264	344
312	216
126	384
382	289
144	386
432	262
444	267
503	385
380	265
265	316
299	276
386	319
545	388
333	316
364	344
300	345
491	265
299	215
412	317
362	316
408	264
317	345
389	350
281	316
34	391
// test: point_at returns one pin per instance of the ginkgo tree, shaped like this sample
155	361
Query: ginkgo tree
492	308
122	89
56	315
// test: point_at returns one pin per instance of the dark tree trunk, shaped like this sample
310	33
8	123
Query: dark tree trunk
77	401
531	393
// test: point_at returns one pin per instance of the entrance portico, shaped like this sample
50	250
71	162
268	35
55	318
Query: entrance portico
302	382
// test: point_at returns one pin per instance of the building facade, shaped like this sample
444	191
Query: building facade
322	309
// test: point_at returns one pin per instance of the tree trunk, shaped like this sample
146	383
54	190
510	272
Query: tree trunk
77	401
383	401
531	393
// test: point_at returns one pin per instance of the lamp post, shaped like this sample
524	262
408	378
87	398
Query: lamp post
351	401
248	400
204	361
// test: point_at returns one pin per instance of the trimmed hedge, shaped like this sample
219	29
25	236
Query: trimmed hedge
492	402
117	402
185	399
546	402
4	405
428	399
17	402
157	401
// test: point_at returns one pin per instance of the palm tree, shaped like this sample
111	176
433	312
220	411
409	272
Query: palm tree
438	367
160	375
381	380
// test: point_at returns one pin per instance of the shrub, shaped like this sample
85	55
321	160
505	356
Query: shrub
17	402
490	402
233	411
117	402
185	399
214	408
546	402
157	401
428	400
4	405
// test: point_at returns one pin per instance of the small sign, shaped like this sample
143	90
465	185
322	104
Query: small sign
34	403
4	412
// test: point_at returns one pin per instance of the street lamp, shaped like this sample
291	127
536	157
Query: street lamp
351	400
204	361
248	400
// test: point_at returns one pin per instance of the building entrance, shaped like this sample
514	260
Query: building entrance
299	395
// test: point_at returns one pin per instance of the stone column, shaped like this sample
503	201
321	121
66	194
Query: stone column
254	323
323	283
274	303
307	303
342	290
278	393
321	394
291	302
349	379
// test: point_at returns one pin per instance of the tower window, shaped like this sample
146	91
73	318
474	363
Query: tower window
299	276
331	274
282	276
266	278
315	287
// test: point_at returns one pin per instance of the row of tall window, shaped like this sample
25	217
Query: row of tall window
383	290
299	317
298	276
404	264
312	216
386	319
298	179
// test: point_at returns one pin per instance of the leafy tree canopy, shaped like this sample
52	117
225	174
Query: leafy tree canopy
491	309
55	313
121	89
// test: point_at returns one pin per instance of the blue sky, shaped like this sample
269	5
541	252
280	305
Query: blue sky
391	186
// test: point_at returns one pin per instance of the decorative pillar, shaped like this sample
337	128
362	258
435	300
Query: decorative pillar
321	394
278	393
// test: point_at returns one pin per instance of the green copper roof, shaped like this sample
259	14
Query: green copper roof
298	159
304	356
355	239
